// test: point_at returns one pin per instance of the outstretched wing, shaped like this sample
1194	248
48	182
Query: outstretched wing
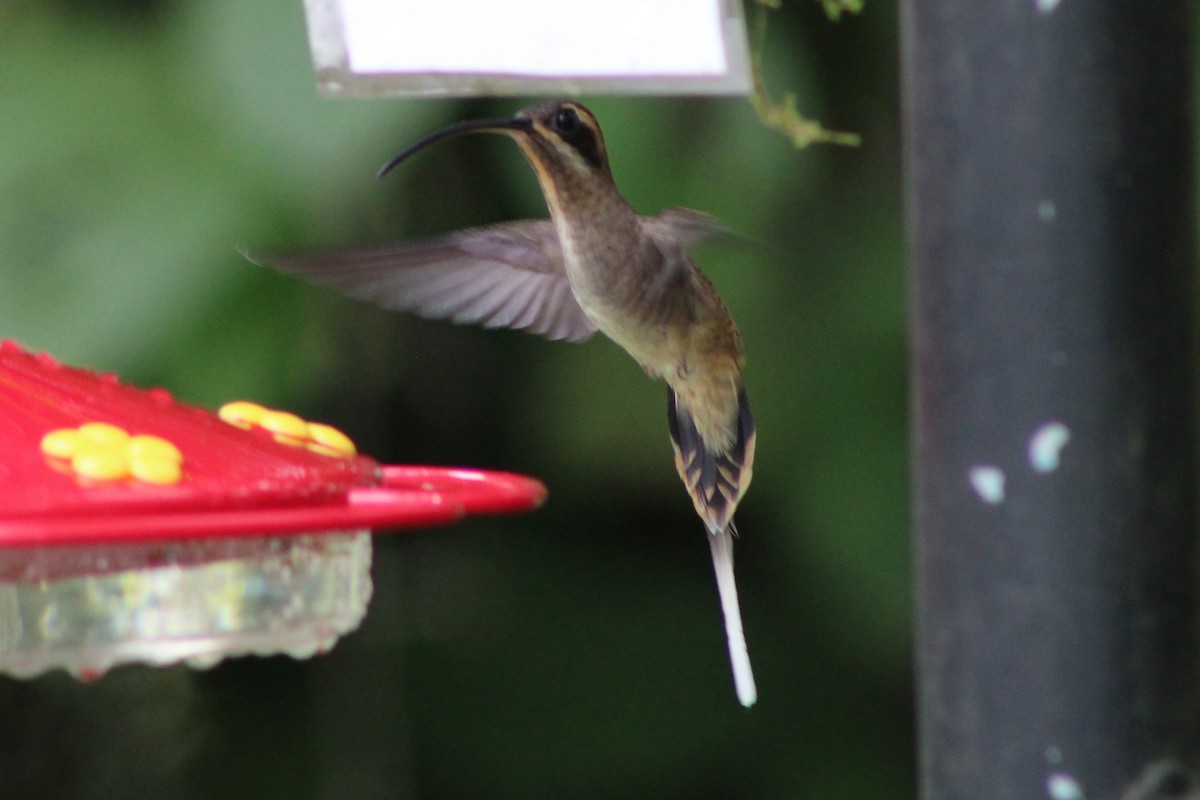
686	227
503	276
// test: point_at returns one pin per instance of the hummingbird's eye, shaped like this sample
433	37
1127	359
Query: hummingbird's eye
566	120
571	127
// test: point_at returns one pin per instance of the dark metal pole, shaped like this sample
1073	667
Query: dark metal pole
1049	177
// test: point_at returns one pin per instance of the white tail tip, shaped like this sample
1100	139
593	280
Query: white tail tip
721	544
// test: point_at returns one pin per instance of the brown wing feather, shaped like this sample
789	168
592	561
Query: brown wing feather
685	226
503	276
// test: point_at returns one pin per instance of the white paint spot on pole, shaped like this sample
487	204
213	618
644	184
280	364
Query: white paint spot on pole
1046	6
988	483
1045	447
1061	786
1047	211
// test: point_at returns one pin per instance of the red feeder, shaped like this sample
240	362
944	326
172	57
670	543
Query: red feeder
112	497
234	482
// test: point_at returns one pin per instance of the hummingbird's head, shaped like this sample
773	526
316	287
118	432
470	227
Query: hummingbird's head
561	139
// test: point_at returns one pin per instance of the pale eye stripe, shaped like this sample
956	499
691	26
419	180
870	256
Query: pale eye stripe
572	156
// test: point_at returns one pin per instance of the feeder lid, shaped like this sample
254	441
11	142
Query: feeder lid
85	458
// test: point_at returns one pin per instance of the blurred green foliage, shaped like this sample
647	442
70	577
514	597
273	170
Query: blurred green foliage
574	652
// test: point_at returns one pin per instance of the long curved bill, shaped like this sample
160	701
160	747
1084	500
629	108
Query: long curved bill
509	126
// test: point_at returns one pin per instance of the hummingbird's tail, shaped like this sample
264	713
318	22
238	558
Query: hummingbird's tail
715	480
739	658
716	483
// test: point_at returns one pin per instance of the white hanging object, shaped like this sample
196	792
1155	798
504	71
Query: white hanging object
528	47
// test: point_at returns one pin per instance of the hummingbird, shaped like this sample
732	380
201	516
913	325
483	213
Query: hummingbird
595	265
